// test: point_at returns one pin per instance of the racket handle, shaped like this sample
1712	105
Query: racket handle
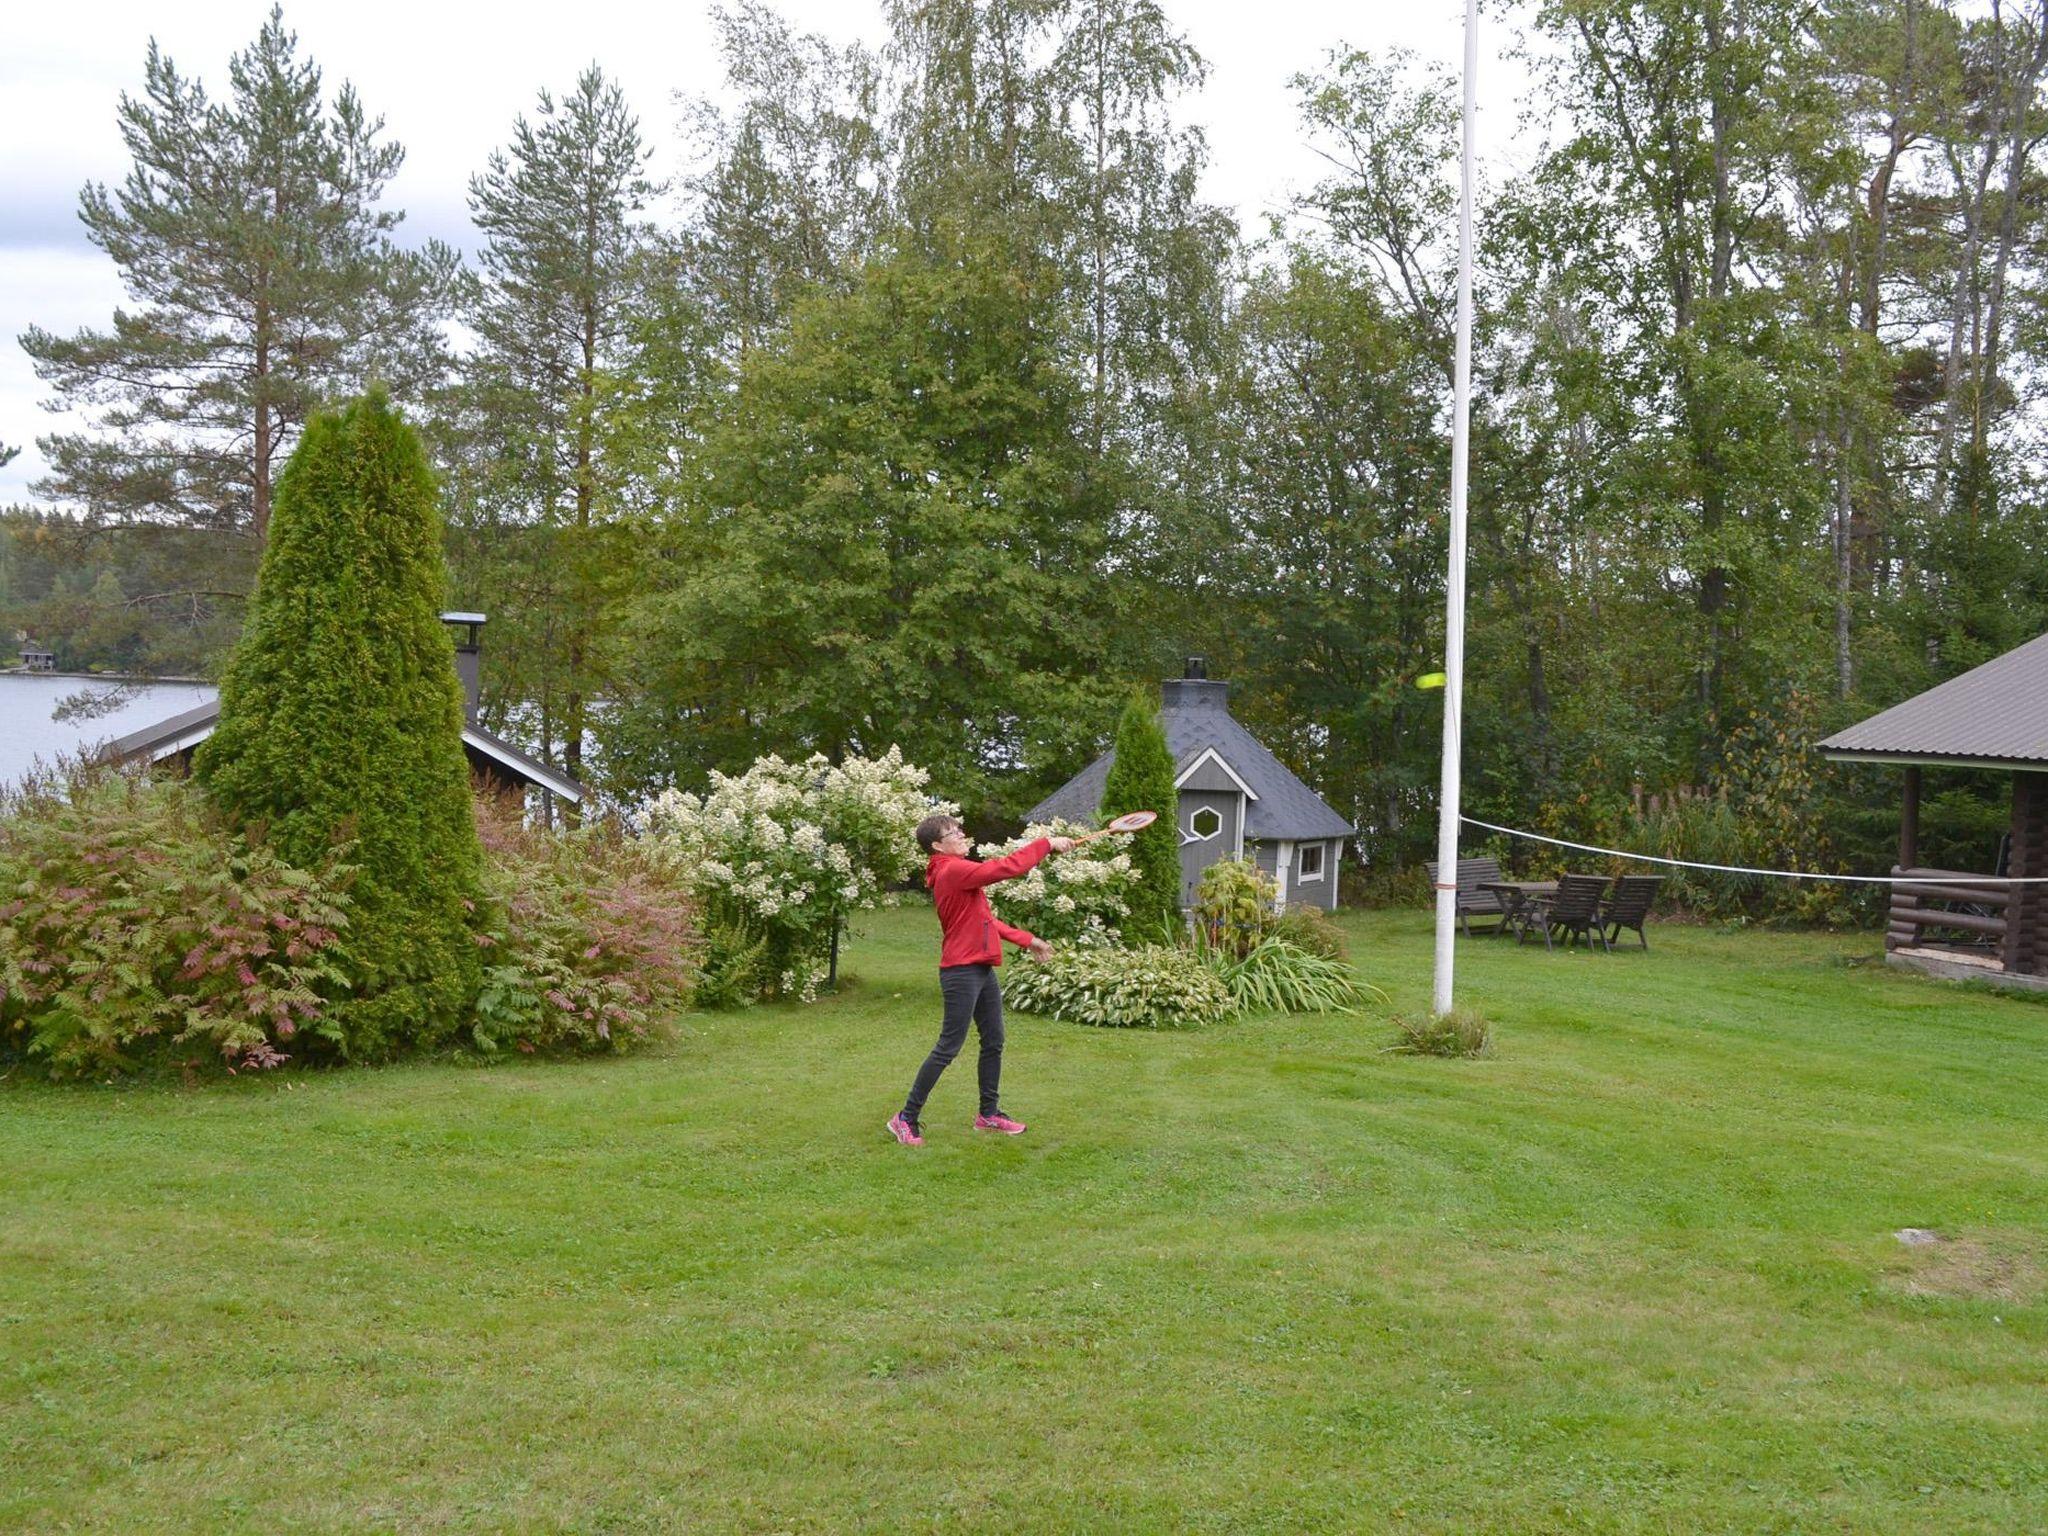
1089	837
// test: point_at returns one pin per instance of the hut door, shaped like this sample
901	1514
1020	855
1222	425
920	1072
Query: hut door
1209	822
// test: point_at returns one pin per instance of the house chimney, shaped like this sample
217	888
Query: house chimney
1192	689
469	645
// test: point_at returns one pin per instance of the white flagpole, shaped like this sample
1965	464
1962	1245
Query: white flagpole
1454	584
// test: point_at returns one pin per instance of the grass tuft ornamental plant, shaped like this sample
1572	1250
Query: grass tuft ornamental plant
1277	976
1154	986
1463	1032
341	721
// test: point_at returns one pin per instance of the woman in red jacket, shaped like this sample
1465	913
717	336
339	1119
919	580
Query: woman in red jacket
969	952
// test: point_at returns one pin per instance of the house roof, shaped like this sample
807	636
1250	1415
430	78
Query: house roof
1993	716
30	733
182	731
1193	714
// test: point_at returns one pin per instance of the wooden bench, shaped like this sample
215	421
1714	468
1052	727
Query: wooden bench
1472	901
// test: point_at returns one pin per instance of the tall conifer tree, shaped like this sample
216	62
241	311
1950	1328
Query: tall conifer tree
341	719
1141	779
539	494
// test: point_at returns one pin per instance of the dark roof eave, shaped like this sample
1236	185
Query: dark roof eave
174	735
1903	759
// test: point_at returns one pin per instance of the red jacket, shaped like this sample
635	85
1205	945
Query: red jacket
973	933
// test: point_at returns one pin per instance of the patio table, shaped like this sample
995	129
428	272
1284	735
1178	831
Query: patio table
1522	901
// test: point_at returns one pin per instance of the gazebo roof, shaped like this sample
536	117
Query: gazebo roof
1195	720
1993	716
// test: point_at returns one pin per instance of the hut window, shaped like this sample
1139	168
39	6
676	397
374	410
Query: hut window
1311	861
1206	823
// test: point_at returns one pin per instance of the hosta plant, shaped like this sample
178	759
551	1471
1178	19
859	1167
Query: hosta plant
1151	987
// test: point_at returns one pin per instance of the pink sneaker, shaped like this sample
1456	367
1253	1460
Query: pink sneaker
999	1122
905	1131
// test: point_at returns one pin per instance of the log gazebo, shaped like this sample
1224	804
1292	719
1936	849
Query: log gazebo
1994	716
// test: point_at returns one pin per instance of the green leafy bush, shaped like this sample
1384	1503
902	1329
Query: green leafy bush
1374	888
1150	987
1276	976
130	916
1311	928
590	942
1234	906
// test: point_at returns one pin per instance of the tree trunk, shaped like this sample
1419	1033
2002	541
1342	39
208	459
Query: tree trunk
1963	307
1844	512
2008	227
259	490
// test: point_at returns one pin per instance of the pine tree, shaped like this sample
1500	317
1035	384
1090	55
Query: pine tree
1141	779
262	280
341	719
538	492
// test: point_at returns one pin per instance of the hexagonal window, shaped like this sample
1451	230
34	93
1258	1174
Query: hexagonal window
1206	822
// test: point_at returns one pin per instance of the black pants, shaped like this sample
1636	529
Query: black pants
970	992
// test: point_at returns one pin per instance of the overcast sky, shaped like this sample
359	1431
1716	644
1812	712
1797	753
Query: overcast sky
449	78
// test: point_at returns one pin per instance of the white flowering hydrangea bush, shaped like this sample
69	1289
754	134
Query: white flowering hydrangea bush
780	854
1079	898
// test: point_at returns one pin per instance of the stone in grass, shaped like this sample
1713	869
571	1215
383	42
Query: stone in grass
1917	1237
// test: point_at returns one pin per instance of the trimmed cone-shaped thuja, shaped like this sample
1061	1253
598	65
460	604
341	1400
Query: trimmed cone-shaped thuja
1141	779
341	721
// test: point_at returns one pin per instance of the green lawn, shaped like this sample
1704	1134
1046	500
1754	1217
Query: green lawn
1635	1273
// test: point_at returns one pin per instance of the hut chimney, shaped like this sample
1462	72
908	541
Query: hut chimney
1193	689
469	645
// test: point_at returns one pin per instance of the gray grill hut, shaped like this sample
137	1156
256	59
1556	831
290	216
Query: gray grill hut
1237	800
1994	716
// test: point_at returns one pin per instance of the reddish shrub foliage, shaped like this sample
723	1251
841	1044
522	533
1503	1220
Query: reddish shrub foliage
129	915
591	942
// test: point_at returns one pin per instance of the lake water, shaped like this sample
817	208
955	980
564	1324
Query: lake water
27	733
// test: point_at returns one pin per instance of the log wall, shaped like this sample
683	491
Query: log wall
2026	938
1920	906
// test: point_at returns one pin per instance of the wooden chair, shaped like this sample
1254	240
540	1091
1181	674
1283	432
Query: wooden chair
1575	910
1629	906
1472	901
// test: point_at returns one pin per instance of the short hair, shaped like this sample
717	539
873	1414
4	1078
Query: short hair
932	828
